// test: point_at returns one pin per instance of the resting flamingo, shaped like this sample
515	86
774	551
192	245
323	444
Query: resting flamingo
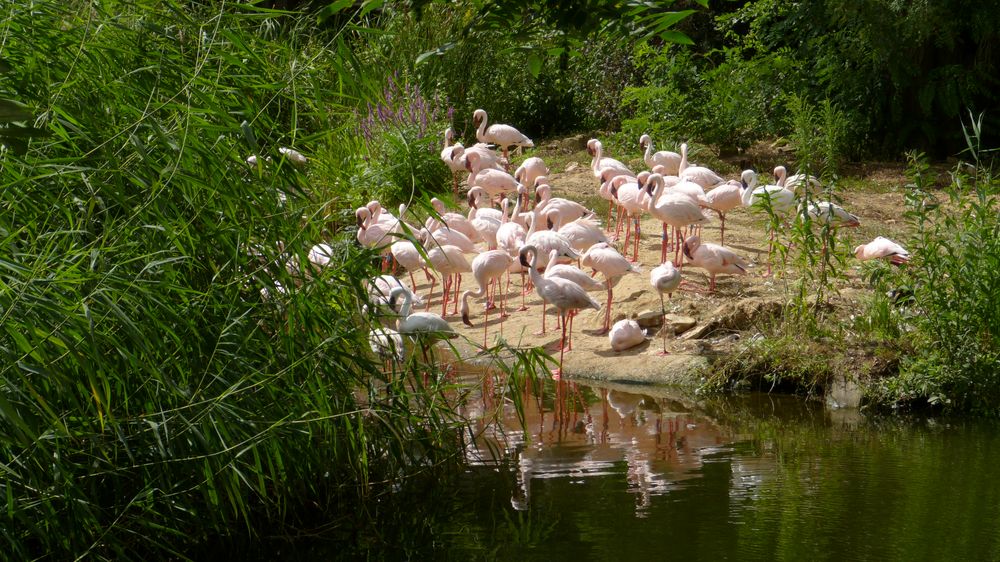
503	136
564	295
665	278
671	161
713	258
604	258
626	334
487	267
882	247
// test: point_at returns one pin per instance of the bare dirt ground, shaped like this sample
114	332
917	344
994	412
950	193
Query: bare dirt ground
874	192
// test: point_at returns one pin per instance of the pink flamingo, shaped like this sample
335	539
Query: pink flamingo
453	156
450	262
581	233
510	238
796	181
722	199
673	209
503	136
634	201
495	182
564	295
604	258
599	163
569	210
530	170
698	174
487	267
882	247
570	273
671	161
713	258
665	278
408	256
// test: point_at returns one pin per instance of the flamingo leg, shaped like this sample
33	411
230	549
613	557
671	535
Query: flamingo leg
562	349
445	291
663	245
638	232
722	217
458	288
663	313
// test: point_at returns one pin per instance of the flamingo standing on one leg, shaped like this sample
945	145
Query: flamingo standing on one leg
486	268
565	295
604	258
665	278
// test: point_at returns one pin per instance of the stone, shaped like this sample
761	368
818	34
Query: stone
738	316
680	323
572	166
649	318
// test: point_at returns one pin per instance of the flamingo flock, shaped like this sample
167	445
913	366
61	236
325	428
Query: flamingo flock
558	245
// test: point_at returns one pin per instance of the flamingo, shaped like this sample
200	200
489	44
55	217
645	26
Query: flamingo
371	235
882	247
510	237
476	197
674	209
633	200
480	157
713	258
581	233
829	213
599	163
564	295
495	182
409	258
796	181
454	221
698	174
665	278
450	262
569	273
604	258
486	268
775	198
722	199
380	289
671	161
626	334
569	210
294	156
453	156
447	236
386	343
424	327
503	136
530	170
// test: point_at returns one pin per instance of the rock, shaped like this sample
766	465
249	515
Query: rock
573	143
572	166
738	316
649	319
681	323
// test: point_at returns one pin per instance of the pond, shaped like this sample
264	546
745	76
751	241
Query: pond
630	473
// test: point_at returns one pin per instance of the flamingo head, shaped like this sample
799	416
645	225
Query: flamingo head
592	146
540	180
748	179
362	214
644	140
523	255
690	245
478	116
779	173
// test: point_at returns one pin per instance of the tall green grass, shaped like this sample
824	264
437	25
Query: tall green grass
151	399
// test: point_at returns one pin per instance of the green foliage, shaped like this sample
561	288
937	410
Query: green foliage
174	373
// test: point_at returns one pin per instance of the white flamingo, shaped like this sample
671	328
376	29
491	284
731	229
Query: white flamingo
722	199
665	278
671	161
626	334
424	327
780	200
713	258
796	181
564	295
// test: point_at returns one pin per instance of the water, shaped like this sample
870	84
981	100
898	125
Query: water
630	473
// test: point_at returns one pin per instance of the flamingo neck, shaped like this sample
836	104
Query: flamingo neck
481	131
684	158
649	153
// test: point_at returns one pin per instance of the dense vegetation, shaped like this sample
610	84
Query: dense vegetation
153	398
